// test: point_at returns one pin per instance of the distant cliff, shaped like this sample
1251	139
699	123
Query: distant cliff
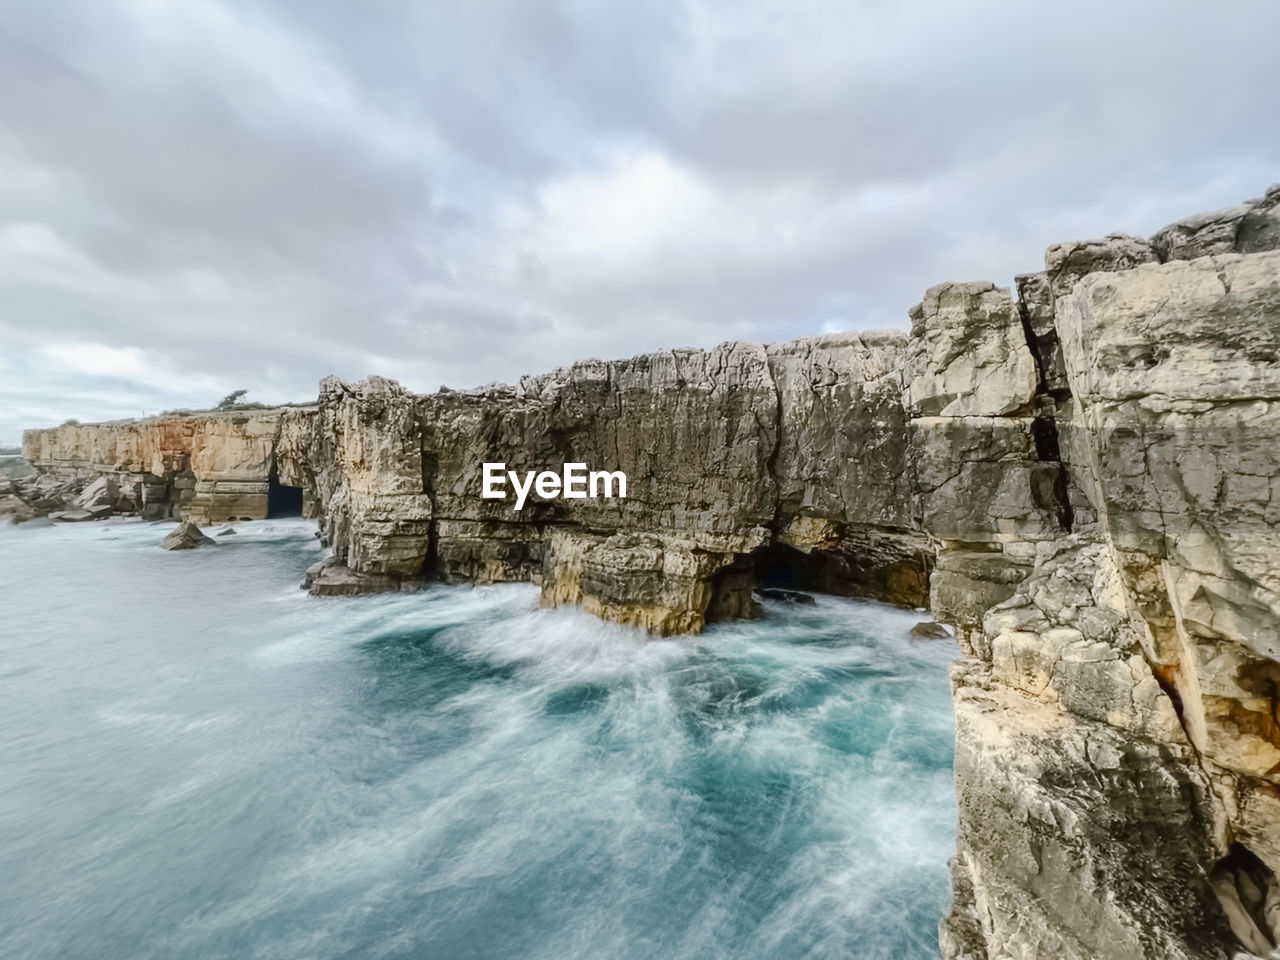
206	467
1083	479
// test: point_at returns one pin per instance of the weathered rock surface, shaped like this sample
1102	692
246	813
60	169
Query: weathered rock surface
930	630
727	455
1251	227
207	467
15	510
1118	755
186	536
969	355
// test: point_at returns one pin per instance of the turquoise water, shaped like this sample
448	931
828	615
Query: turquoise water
199	761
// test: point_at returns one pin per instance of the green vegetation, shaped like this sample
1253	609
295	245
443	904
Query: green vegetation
232	400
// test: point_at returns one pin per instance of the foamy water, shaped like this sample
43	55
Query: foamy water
199	761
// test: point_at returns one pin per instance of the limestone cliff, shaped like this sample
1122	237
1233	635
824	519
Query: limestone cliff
204	467
1117	748
728	454
1083	479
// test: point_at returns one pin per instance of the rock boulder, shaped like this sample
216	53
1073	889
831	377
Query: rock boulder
186	536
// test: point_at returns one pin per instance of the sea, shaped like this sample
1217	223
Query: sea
200	761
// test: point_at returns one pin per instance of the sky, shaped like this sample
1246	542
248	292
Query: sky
198	197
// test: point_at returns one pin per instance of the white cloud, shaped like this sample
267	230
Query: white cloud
637	208
202	197
96	360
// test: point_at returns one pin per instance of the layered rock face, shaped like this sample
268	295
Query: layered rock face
742	463
202	467
1116	748
727	455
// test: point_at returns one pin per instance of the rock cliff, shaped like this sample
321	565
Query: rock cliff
1117	745
1082	477
204	467
741	462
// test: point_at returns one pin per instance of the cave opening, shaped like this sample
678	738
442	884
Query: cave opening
1247	889
772	572
877	565
778	566
282	499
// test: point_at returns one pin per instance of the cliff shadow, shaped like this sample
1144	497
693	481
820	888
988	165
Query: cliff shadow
892	568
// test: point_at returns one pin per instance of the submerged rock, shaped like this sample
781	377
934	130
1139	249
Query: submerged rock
338	580
785	596
930	630
186	537
14	510
73	516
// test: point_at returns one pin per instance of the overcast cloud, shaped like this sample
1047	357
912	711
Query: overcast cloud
197	197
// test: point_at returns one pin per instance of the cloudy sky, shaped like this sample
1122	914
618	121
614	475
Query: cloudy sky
199	196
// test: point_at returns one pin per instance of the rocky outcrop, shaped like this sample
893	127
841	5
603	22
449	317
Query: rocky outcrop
1116	746
206	467
186	536
1251	227
727	455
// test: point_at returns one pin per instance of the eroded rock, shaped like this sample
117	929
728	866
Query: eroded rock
206	467
930	630
1251	227
1118	689
186	536
339	580
15	510
726	452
